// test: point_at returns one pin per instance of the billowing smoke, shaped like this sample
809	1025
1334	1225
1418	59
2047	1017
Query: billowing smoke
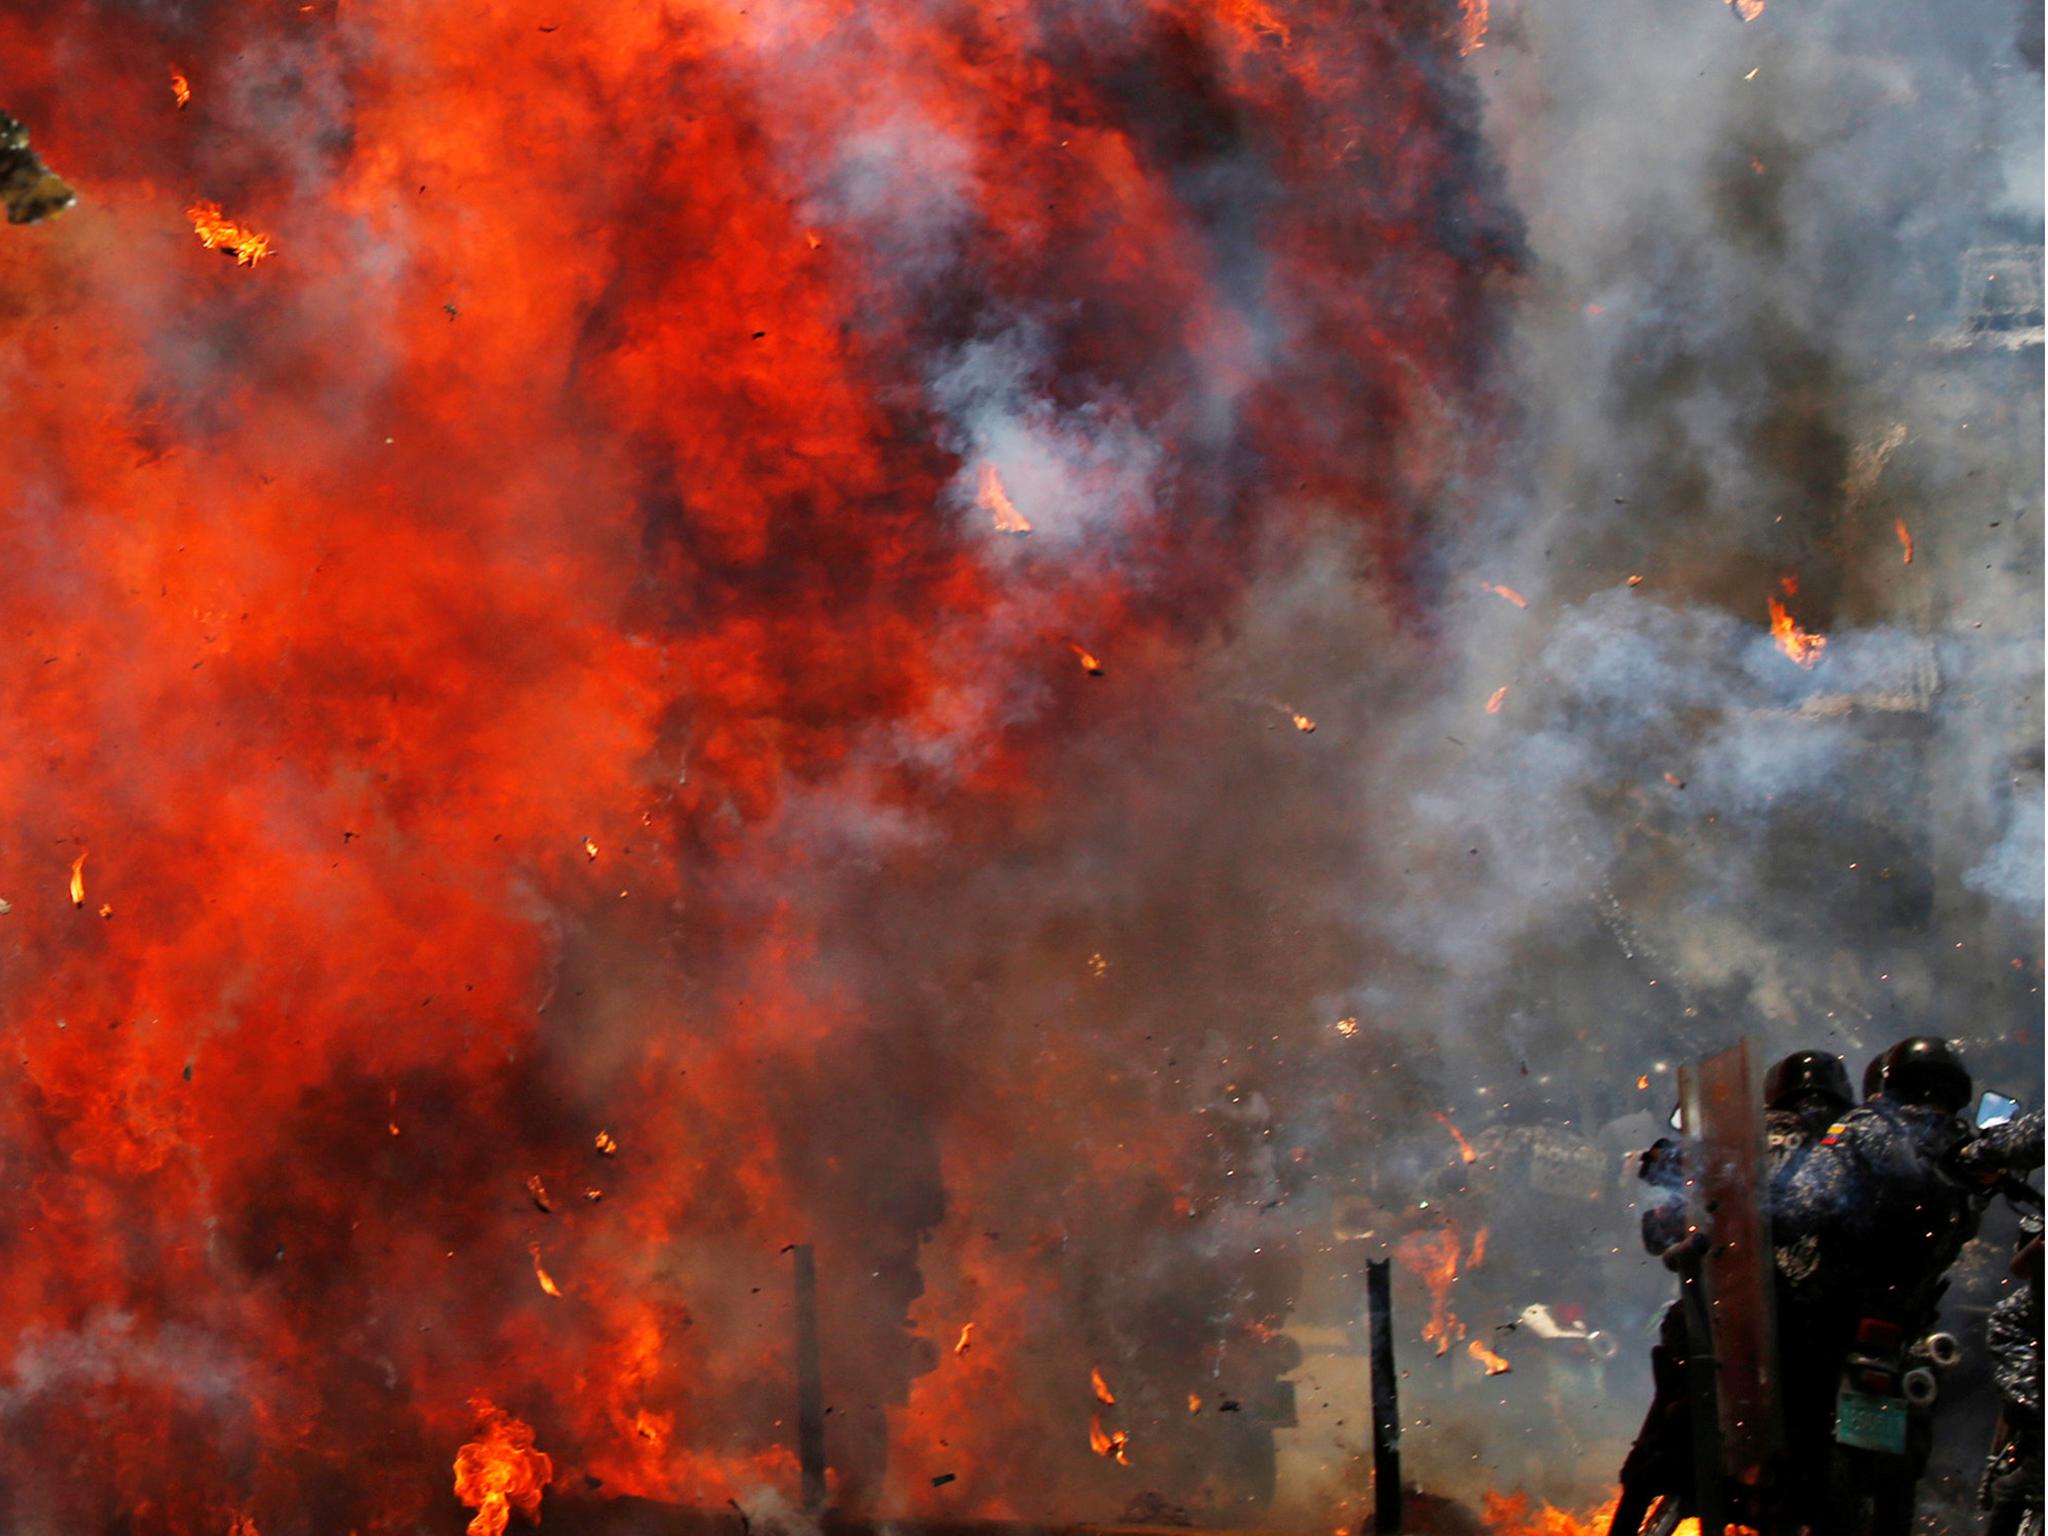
584	783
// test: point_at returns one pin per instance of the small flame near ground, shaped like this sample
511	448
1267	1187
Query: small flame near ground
990	496
78	881
217	232
500	1471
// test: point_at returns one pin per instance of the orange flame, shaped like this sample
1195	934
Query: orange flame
1498	698
1088	663
218	233
180	88
1496	1365
590	849
500	1471
993	499
1905	537
1108	1442
1507	592
1803	646
1478	1254
78	881
1748	10
1464	1147
1194	1402
966	1340
1102	1393
1434	1257
1473	18
606	1146
547	1281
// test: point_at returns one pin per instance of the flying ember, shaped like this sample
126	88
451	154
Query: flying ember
181	88
1905	539
1102	1393
1509	593
217	232
993	499
78	881
1495	1364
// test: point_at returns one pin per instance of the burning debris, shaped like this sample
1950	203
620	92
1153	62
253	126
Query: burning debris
965	1342
606	1145
1507	593
1473	19
500	1472
217	232
1905	539
78	881
1112	1443
1464	1147
539	1191
30	190
547	1281
1102	1393
1495	1364
994	500
1089	664
1802	646
1432	1256
1494	700
181	89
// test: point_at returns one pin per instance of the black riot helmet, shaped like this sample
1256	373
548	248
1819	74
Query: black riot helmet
1873	1076
1926	1070
1806	1075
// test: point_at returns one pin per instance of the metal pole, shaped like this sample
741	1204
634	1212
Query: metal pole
1386	1413
810	1384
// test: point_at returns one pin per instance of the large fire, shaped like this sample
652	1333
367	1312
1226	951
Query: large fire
571	503
500	1472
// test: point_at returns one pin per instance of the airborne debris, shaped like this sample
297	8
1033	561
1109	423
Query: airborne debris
181	88
1496	1365
590	849
1347	1027
1498	698
539	1191
1674	781
1112	1443
966	1340
1088	663
944	1478
1507	592
30	190
606	1146
217	232
547	1281
1102	1393
994	500
1905	537
78	881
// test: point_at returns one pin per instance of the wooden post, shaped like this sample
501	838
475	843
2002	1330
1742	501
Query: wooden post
1386	1413
810	1384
